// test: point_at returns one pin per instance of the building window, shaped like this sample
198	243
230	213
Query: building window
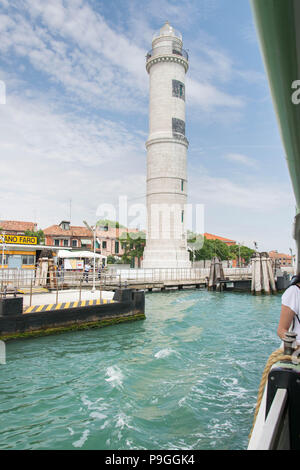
74	243
178	126
65	225
66	242
182	216
178	89
28	259
116	247
182	185
56	242
104	245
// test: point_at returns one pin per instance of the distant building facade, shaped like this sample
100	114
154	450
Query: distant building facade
283	260
108	236
18	251
68	236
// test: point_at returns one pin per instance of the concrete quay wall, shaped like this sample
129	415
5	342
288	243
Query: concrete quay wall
128	305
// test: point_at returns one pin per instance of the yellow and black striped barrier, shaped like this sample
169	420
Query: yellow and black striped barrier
63	305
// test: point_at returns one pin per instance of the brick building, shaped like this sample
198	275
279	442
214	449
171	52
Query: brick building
69	236
282	259
109	239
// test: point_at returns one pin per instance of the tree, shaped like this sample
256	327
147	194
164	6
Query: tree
223	251
212	248
109	223
39	234
133	245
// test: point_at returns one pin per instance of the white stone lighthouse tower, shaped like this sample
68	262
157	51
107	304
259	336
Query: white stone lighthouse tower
167	64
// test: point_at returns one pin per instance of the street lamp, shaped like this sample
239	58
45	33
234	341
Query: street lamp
239	245
93	229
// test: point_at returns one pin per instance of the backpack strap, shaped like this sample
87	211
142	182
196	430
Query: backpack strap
297	316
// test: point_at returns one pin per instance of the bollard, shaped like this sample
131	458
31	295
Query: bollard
291	336
288	341
80	290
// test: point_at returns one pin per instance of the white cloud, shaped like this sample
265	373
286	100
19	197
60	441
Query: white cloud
252	194
48	157
241	159
208	97
75	47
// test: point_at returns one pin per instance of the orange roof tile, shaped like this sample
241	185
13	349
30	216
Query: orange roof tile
275	254
73	232
210	236
17	225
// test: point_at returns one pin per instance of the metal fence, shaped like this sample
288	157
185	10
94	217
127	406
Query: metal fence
25	278
177	274
13	283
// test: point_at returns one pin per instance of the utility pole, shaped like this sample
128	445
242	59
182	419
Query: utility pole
2	236
93	230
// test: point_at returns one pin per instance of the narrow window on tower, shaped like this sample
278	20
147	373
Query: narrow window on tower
182	183
178	89
182	216
178	127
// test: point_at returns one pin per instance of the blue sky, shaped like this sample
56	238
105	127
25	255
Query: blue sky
75	121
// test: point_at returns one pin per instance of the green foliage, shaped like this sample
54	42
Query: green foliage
39	234
109	223
242	252
223	251
111	259
133	245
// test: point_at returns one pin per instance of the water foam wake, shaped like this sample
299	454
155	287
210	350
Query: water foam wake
164	353
115	376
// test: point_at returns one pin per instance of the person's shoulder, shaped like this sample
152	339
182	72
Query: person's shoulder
293	288
291	292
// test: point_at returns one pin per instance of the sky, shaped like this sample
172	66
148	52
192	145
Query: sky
74	121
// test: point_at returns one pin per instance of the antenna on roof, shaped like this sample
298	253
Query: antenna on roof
70	210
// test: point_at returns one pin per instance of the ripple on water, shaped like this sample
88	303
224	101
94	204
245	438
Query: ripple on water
185	378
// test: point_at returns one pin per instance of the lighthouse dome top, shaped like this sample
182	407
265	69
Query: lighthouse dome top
167	30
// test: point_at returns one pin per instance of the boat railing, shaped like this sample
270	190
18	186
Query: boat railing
277	424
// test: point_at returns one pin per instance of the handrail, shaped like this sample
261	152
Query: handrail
181	52
265	435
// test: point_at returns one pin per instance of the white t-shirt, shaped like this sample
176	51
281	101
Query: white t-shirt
291	299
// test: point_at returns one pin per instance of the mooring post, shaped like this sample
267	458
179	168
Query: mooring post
30	299
80	289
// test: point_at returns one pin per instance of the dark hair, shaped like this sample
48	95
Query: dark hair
295	280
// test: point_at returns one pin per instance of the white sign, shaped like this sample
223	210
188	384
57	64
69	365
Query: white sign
79	264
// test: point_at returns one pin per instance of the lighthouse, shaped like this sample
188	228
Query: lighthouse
166	64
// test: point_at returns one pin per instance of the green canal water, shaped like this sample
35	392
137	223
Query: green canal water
185	378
